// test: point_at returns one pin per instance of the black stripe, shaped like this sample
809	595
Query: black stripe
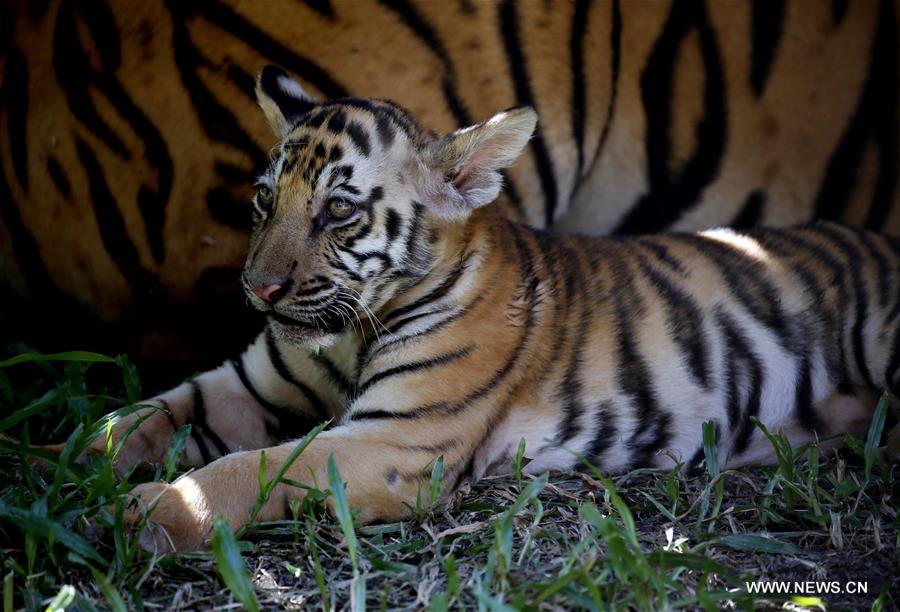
662	254
803	397
59	177
671	194
381	110
452	408
363	231
337	263
367	355
74	65
334	374
228	210
218	122
605	431
77	74
839	10
767	26
512	195
751	213
790	244
230	21
860	296
411	17
435	294
685	324
615	55
747	282
323	8
873	125
25	248
360	137
570	387
692	467
740	360
440	447
579	94
314	301
111	224
785	244
15	100
414	366
392	224
201	426
893	364
632	373
399	325
883	273
337	121
509	25
281	367
201	445
151	201
290	424
417	256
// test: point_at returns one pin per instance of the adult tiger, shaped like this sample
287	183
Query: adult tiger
428	325
130	137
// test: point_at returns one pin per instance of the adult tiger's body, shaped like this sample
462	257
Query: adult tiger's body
430	326
130	135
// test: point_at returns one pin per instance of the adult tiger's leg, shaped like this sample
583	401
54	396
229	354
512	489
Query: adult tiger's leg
269	393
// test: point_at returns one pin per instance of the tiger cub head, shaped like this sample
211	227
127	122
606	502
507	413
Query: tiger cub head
353	208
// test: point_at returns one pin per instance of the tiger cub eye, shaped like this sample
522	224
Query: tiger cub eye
340	209
265	197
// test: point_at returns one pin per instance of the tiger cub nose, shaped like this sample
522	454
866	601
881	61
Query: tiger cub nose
273	292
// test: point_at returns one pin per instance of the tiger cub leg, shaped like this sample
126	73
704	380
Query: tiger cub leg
380	481
247	403
847	410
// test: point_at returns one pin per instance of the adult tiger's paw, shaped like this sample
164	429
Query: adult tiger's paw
177	516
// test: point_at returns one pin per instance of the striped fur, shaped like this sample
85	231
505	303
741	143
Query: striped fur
469	332
129	138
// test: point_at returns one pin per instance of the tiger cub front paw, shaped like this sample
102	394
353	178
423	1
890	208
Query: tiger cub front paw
177	517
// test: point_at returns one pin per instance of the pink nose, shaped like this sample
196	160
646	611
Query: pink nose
269	294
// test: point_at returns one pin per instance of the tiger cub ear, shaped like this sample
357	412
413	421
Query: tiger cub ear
281	99
470	159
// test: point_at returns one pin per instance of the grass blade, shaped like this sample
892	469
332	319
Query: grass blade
176	449
266	490
437	482
342	510
345	520
112	596
85	356
8	592
873	437
42	526
231	566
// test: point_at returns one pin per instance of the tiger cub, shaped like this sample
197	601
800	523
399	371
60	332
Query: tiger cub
425	324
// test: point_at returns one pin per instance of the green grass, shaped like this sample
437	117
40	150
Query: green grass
649	539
